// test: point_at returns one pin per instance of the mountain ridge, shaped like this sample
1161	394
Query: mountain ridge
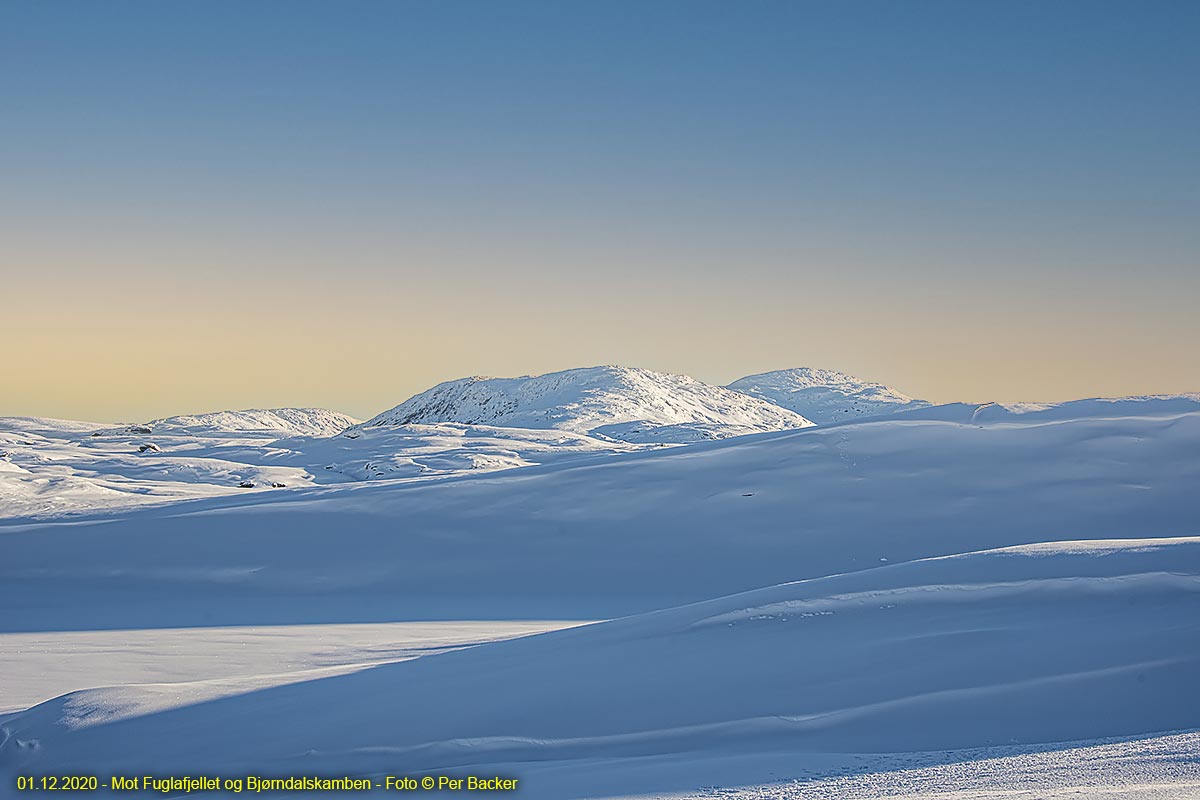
622	403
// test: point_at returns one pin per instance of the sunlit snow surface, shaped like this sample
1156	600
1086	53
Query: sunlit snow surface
618	402
52	468
57	468
952	602
1155	768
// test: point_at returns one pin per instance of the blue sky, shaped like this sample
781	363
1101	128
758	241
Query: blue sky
969	200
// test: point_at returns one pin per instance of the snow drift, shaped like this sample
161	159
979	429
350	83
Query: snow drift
1042	643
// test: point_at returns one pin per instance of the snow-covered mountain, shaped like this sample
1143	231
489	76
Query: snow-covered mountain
633	405
280	421
825	396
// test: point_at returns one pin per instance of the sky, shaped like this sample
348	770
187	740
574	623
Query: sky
230	205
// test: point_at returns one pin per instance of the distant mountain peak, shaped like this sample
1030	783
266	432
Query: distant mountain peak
626	403
285	421
825	396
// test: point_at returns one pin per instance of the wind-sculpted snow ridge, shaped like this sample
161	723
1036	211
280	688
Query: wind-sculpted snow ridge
1018	646
615	402
825	396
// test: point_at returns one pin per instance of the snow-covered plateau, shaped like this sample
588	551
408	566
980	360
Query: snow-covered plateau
613	583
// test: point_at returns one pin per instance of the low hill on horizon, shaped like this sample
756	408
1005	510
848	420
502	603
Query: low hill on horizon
826	396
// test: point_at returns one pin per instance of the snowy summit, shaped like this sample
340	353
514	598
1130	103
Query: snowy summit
624	403
825	396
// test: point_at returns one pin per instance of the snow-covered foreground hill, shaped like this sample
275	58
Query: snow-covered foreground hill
952	593
1039	644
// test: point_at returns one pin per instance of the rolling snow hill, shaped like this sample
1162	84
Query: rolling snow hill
1053	642
634	405
600	536
278	421
824	395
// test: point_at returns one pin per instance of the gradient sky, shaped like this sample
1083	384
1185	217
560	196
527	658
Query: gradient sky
225	205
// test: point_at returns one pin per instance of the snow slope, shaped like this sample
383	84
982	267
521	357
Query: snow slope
415	452
618	402
600	536
195	664
1045	643
825	396
1003	578
1143	768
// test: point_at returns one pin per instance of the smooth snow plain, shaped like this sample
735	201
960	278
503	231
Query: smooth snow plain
951	602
